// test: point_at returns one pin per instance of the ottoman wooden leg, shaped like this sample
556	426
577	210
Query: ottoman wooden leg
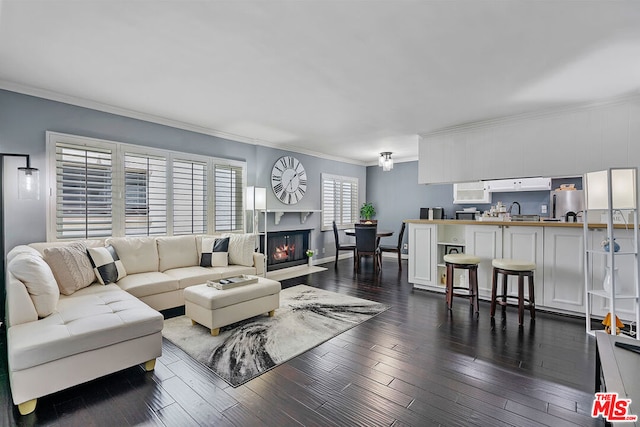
27	407
150	365
215	332
272	313
193	322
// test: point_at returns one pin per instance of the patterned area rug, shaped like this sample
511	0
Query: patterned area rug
306	318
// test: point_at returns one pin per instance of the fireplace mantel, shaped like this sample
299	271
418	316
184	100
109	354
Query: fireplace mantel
304	213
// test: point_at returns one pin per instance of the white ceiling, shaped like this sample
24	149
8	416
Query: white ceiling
340	78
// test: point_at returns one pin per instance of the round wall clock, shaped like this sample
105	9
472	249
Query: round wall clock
288	180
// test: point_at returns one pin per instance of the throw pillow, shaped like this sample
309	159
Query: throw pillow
70	266
241	249
214	252
106	264
39	281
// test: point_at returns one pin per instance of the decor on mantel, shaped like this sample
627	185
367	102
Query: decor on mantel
385	161
307	317
310	255
28	189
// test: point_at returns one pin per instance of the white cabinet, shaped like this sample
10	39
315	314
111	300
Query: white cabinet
518	242
525	243
470	192
563	275
485	242
423	239
518	184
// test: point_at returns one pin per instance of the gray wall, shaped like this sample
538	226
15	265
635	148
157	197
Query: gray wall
25	119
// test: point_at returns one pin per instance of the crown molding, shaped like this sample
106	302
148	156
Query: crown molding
111	109
631	96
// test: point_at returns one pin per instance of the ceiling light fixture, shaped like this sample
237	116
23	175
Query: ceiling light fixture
385	161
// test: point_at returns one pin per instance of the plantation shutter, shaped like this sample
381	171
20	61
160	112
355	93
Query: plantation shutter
339	201
83	191
145	204
189	197
228	198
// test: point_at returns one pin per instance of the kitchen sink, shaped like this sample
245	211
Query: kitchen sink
533	218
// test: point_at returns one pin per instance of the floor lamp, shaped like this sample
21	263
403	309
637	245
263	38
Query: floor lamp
28	189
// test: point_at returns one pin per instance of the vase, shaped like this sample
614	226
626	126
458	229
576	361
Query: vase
616	246
309	262
606	284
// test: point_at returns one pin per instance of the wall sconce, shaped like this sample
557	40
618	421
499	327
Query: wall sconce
28	189
385	161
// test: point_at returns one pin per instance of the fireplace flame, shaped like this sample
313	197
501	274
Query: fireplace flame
283	252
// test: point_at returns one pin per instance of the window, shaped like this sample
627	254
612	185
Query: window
339	201
145	195
189	197
228	198
104	188
83	191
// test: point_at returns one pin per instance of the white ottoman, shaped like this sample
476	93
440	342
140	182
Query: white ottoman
215	308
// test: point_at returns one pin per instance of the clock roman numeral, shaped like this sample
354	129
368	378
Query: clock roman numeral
276	178
303	182
283	196
278	188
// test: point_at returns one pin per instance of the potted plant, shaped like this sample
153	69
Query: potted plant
367	211
310	254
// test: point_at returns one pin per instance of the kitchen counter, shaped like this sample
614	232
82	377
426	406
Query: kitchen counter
510	223
556	248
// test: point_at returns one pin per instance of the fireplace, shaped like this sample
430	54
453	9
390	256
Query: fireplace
286	248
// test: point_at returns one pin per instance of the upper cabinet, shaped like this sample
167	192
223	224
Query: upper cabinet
518	184
471	192
558	143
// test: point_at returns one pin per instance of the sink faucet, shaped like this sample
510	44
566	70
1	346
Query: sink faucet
511	207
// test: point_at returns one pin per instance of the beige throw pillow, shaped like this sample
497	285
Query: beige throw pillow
70	266
241	249
39	281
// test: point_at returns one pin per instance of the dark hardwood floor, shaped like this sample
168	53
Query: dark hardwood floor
416	364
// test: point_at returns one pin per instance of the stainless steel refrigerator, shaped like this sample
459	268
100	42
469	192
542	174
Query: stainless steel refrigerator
565	202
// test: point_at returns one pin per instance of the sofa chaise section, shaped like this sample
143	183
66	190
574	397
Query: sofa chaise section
94	332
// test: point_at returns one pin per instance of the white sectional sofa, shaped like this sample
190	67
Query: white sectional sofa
65	328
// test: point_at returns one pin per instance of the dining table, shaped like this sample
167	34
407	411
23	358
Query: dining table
379	233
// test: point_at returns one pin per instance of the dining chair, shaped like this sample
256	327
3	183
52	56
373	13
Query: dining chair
367	244
340	246
397	248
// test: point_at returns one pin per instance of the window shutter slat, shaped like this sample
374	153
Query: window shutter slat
145	195
189	197
84	192
228	198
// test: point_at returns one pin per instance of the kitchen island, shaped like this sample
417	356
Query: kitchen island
557	249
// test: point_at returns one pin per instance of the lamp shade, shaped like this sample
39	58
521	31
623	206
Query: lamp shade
623	189
28	183
256	198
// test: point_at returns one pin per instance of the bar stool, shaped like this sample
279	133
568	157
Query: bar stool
464	262
521	269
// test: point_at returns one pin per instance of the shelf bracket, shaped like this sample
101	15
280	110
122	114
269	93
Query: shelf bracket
303	216
276	216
